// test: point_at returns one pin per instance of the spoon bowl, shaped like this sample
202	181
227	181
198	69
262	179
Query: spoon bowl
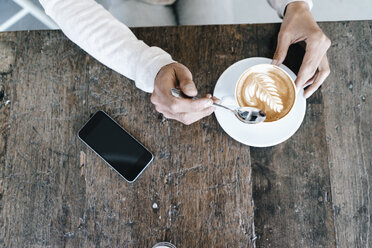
250	115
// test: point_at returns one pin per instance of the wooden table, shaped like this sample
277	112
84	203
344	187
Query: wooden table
203	189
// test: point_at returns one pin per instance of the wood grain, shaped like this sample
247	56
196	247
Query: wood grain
291	187
7	55
200	181
311	191
43	192
348	108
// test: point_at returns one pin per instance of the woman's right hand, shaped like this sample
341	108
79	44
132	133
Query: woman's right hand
184	110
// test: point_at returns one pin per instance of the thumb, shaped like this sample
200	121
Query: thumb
187	85
281	49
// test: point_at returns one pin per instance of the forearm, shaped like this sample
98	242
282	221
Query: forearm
96	31
280	5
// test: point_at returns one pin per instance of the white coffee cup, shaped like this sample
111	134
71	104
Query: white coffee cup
233	101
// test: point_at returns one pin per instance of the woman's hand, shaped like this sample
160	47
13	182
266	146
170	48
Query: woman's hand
299	25
183	110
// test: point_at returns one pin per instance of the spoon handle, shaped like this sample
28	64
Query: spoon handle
177	93
222	106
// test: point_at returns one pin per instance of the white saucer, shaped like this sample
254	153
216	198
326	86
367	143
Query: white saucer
259	135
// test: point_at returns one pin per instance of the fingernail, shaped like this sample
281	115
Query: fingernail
208	103
189	87
274	62
306	95
209	95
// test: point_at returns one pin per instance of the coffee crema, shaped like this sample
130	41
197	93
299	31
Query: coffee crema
268	88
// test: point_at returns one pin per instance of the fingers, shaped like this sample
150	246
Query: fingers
188	118
284	41
216	100
311	80
319	78
316	49
185	110
180	105
184	77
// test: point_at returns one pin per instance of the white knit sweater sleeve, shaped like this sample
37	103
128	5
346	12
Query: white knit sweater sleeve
279	5
112	43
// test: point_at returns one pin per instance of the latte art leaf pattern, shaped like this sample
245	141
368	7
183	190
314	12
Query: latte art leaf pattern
264	88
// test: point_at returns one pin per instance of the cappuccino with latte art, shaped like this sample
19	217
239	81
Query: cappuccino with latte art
268	88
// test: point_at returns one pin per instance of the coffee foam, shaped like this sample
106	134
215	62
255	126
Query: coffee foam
268	88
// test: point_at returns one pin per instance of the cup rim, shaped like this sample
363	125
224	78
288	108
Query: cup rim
164	243
286	73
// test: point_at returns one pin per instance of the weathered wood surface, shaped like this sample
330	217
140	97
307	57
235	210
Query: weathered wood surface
348	110
311	191
200	178
291	188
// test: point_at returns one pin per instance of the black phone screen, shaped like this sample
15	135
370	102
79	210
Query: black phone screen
116	146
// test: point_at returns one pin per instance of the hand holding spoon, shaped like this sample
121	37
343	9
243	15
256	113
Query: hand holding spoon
248	115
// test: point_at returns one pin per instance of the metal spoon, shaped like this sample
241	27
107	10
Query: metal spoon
248	115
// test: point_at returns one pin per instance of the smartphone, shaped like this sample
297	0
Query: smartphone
120	150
